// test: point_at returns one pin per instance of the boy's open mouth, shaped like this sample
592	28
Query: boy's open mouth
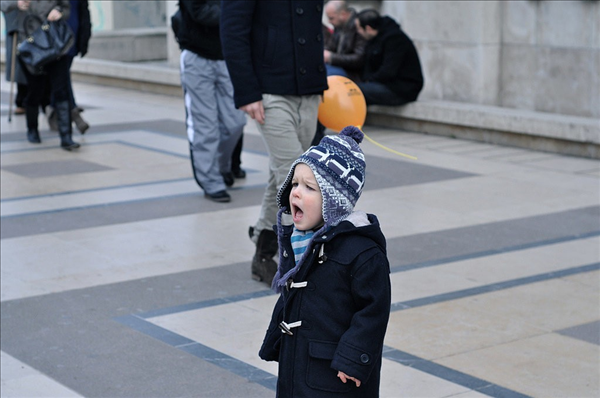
297	213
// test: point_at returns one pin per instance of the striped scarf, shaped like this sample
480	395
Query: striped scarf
300	242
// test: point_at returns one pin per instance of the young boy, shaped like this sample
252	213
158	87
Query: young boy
328	325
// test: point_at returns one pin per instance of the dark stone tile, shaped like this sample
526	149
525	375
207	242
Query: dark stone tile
55	168
496	237
589	332
92	341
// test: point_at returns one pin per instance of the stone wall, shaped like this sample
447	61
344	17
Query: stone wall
535	55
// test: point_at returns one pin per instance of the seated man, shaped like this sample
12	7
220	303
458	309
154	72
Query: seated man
344	51
392	71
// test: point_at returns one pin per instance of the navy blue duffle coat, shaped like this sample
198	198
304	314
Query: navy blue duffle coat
344	309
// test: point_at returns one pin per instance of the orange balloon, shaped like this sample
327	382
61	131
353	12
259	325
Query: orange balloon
343	104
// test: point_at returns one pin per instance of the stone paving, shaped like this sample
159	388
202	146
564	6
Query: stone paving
119	279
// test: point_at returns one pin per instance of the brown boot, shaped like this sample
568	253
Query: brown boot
51	116
263	265
81	124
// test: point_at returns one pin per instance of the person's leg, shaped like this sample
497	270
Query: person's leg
79	121
231	122
236	159
20	99
379	94
287	132
198	77
35	90
281	135
58	74
335	71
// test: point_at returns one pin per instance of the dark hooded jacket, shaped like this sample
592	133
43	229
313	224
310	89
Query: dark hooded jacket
198	31
344	309
391	59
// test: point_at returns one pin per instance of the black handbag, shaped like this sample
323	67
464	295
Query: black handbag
46	43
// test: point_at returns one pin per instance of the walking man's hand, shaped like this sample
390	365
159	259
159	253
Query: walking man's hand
256	111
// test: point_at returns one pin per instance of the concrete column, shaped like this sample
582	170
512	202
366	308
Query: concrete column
459	44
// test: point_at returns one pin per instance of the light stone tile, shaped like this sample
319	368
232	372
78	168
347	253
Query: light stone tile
449	328
460	275
238	332
590	280
594	173
413	217
122	252
20	380
563	182
472	323
100	197
547	365
403	381
135	166
234	329
567	164
543	304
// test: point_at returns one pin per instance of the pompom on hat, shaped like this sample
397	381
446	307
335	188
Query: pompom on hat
338	164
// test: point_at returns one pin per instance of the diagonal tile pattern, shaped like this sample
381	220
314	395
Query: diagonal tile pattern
119	279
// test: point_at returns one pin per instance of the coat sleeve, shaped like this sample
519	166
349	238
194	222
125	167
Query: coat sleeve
64	6
8	5
269	351
85	27
394	53
236	28
360	347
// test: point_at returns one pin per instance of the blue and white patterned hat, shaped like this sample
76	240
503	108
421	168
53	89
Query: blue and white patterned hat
338	164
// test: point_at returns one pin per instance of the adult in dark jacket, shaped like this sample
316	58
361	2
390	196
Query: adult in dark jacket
213	124
274	54
328	326
57	72
392	72
344	51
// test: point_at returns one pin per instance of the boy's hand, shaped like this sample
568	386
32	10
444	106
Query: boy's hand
344	378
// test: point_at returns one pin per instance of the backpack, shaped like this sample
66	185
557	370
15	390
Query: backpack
176	21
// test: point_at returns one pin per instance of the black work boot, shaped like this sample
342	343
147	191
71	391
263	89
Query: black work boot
33	134
263	265
63	119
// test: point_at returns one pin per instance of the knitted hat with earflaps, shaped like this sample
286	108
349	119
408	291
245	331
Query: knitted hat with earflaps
338	164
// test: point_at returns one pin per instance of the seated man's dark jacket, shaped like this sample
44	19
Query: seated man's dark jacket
347	48
199	28
391	59
273	47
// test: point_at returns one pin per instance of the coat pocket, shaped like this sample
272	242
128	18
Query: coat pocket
319	374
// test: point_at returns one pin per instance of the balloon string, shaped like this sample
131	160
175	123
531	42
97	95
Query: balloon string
386	148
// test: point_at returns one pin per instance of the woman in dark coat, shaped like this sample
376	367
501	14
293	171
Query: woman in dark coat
81	24
57	72
329	323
